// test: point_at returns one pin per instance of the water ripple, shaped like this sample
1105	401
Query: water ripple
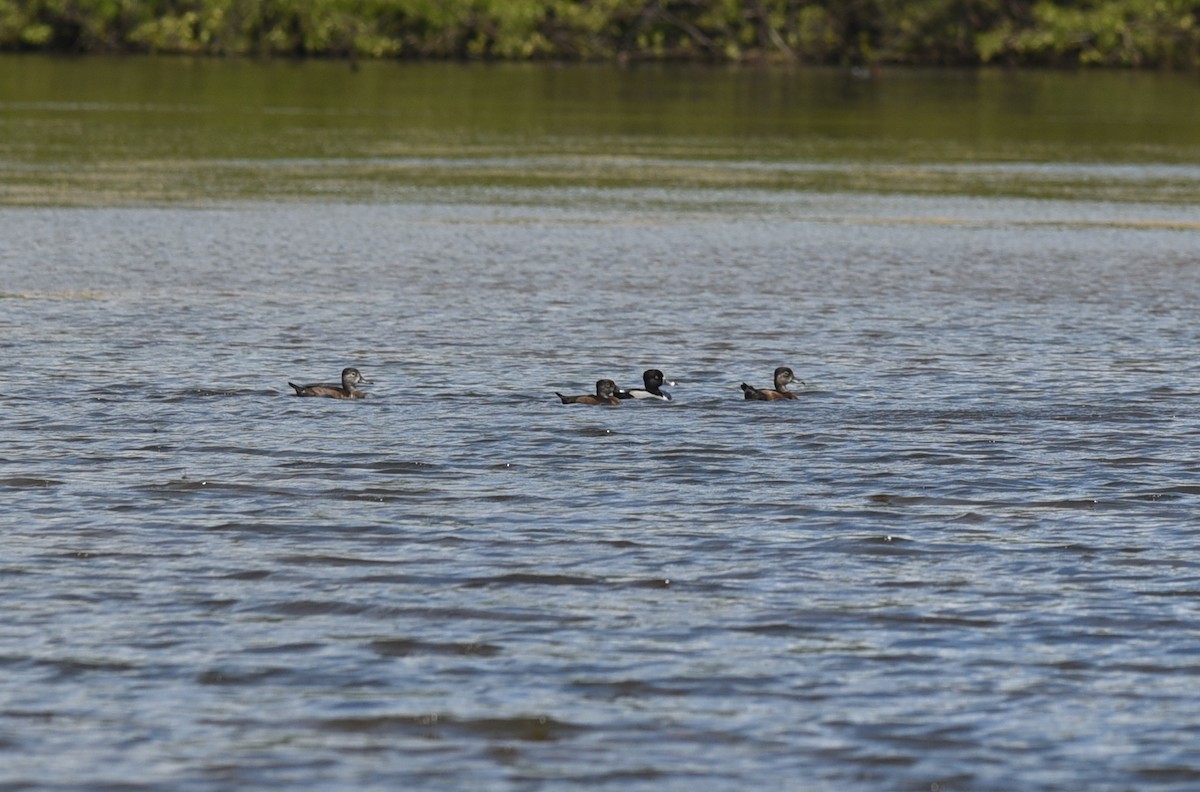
956	561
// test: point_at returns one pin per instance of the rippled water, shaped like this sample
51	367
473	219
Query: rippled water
961	560
964	559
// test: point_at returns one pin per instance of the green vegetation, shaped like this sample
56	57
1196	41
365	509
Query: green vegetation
1143	33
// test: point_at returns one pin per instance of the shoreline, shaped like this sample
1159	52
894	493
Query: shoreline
1122	34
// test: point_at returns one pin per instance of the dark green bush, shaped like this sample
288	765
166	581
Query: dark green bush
1139	33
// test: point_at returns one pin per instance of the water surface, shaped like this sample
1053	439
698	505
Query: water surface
962	559
103	131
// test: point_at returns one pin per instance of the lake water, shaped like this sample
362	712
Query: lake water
964	559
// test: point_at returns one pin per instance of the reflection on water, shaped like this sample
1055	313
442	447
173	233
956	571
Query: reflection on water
963	558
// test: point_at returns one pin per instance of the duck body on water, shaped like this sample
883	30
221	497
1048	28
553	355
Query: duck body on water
608	393
653	380
350	378
605	394
783	375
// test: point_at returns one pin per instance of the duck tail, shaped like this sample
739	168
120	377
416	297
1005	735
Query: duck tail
565	399
751	392
298	388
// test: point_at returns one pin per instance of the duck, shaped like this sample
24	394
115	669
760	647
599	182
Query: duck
653	379
605	390
783	375
350	378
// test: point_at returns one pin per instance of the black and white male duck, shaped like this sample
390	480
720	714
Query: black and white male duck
653	379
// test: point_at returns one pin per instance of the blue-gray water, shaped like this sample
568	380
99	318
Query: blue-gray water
964	559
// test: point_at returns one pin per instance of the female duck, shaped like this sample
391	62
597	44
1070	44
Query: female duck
653	379
605	394
783	375
350	378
